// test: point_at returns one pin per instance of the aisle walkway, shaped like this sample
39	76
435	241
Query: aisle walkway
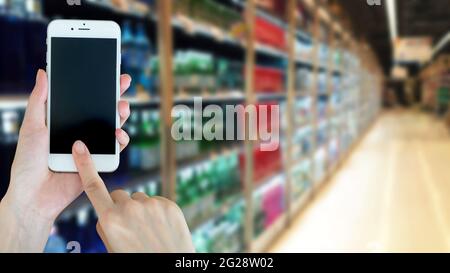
392	194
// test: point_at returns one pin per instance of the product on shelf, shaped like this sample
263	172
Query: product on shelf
303	50
197	71
322	83
337	57
22	47
322	133
303	80
302	143
223	234
301	178
204	187
269	203
336	83
323	54
333	151
208	11
322	104
194	70
435	84
269	33
138	7
10	122
273	6
320	164
268	80
229	74
266	163
31	9
302	111
136	59
190	148
144	149
305	20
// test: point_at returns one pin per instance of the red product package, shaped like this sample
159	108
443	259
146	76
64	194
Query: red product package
268	80
269	33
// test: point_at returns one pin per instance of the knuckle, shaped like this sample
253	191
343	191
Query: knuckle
118	192
175	208
171	206
139	195
91	184
152	202
84	161
131	206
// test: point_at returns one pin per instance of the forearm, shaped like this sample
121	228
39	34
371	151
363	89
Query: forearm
21	230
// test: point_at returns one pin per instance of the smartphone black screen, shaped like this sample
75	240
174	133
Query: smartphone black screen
83	94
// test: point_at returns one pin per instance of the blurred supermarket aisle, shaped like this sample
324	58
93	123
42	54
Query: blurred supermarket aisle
392	194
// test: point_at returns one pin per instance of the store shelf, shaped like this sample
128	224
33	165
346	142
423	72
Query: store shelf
193	28
219	211
279	96
304	62
269	50
108	6
300	202
261	243
268	182
264	14
13	102
303	35
232	96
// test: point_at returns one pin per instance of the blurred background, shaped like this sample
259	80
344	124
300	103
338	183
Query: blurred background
364	96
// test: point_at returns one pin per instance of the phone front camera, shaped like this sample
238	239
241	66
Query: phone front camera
71	28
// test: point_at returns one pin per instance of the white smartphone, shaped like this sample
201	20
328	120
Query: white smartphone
83	66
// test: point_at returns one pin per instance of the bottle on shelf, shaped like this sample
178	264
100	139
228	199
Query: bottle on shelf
149	144
143	55
130	57
268	204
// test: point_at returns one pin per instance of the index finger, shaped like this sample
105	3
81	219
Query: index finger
92	183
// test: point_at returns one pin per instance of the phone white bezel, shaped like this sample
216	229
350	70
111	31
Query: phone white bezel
83	29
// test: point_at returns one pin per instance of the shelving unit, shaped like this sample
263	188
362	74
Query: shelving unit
350	108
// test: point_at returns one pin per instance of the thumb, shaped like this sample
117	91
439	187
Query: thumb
36	110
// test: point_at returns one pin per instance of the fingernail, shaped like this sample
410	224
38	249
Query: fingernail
80	148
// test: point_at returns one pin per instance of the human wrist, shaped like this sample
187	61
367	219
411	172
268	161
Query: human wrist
22	227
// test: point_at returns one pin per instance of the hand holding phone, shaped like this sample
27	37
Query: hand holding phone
36	195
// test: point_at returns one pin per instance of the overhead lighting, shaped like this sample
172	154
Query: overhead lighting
442	43
391	10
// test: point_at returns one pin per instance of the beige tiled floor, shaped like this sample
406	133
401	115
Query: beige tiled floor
392	194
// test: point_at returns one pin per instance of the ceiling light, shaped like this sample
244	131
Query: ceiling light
391	11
